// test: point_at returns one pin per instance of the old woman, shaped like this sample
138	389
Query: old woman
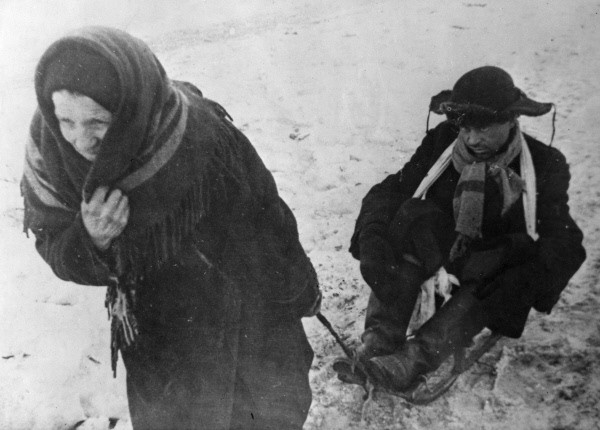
137	182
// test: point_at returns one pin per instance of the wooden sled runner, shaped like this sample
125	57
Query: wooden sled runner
431	386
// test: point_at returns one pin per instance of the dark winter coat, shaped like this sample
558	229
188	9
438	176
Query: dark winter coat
220	278
540	270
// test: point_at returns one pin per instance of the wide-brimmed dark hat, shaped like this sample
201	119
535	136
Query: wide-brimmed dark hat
486	95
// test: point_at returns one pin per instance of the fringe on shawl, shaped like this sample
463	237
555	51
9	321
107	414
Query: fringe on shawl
136	253
136	257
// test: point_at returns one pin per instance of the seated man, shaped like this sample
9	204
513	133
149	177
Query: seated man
481	199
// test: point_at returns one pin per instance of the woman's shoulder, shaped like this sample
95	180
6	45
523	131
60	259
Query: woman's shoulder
201	104
209	125
211	133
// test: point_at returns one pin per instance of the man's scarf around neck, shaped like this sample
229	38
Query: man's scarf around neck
469	193
441	282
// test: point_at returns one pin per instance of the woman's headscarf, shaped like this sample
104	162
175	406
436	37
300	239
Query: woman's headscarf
156	149
144	90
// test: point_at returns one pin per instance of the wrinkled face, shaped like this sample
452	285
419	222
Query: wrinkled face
83	122
485	142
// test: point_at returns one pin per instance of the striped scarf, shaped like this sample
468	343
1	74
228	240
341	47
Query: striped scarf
442	282
469	193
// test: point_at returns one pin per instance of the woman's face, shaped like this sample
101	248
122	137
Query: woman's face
83	122
485	142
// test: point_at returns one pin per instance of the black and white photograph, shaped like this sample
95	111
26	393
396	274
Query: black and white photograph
286	215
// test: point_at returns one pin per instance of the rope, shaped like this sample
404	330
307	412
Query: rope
339	340
553	124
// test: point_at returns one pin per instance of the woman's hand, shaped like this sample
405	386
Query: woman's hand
105	216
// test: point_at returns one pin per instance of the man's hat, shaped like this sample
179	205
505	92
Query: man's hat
486	95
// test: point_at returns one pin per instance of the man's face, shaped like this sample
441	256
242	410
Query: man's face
83	122
485	142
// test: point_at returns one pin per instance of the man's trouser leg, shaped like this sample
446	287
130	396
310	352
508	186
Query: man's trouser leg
386	322
418	234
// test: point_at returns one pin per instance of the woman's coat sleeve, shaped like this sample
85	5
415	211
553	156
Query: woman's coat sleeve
72	255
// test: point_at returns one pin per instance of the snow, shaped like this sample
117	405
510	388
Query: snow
334	96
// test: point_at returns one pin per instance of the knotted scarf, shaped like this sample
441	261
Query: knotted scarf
469	193
441	283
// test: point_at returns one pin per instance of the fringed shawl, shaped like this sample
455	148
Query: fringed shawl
149	152
177	158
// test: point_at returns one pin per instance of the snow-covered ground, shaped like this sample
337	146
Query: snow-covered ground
334	95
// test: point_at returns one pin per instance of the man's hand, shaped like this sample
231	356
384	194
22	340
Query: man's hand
105	216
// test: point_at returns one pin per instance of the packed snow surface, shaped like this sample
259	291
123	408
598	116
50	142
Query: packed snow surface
334	95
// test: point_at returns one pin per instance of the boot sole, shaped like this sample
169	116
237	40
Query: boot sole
423	392
381	378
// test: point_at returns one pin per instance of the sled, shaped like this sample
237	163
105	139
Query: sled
432	385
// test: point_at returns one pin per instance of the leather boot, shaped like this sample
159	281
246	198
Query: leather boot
385	325
398	371
453	326
386	322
